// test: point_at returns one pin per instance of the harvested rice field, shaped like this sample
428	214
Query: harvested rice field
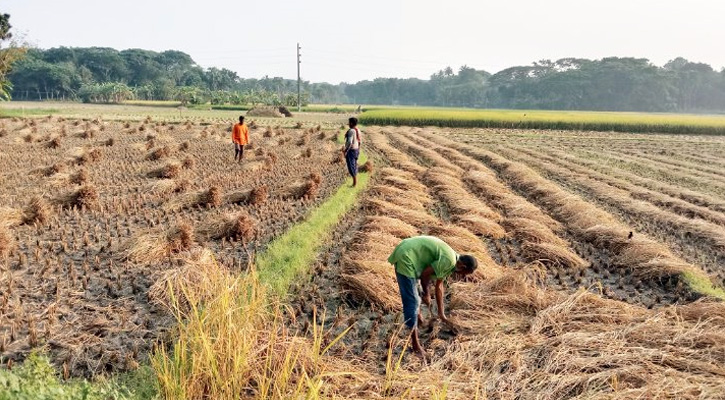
595	280
601	259
97	214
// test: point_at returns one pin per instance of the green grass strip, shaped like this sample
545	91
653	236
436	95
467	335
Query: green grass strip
699	283
293	253
26	112
37	379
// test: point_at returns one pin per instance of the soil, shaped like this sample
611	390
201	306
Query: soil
66	286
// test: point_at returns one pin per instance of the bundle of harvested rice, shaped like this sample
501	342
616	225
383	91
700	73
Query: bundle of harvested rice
368	167
38	211
533	231
301	189
259	195
89	156
188	283
156	245
553	254
80	177
159	153
480	225
461	239
481	306
10	216
403	183
238	197
315	177
377	245
353	263
389	225
188	163
51	170
374	288
182	185
169	170
84	197
230	226
412	217
270	160
212	197
7	241
404	198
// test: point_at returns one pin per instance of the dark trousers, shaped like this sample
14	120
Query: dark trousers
351	161
238	150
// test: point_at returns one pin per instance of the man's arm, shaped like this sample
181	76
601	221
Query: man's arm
425	278
439	300
348	142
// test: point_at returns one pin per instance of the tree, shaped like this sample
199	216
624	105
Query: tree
143	66
108	92
189	95
10	52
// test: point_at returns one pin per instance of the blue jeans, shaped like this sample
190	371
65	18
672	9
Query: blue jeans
351	160
411	299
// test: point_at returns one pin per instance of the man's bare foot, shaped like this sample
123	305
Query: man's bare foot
421	354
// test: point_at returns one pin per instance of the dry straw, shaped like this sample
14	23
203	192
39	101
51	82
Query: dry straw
412	217
155	245
373	288
7	241
83	197
389	225
37	211
211	197
170	170
239	226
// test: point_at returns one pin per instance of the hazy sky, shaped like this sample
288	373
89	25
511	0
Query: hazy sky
350	41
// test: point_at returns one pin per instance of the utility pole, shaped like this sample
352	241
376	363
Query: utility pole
299	104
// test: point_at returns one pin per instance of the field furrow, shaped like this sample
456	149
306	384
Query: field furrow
662	174
601	268
646	258
690	196
678	206
700	242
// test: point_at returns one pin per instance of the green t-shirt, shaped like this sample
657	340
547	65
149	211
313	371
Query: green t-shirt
415	254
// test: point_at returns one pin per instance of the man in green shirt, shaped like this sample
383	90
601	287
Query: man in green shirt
425	258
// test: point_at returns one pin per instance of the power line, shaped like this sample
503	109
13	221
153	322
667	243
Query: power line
298	77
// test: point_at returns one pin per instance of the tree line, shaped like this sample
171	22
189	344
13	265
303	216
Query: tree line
99	74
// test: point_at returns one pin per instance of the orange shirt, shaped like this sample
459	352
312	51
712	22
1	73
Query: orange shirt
240	134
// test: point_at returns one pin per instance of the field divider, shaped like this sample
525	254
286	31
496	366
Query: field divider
545	120
231	338
292	253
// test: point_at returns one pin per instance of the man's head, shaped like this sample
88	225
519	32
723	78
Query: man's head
241	119
466	265
352	122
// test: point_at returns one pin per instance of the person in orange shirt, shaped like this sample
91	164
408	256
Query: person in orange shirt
240	137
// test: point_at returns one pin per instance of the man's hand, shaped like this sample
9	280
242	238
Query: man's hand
426	298
439	302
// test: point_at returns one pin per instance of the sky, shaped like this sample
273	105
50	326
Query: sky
349	41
